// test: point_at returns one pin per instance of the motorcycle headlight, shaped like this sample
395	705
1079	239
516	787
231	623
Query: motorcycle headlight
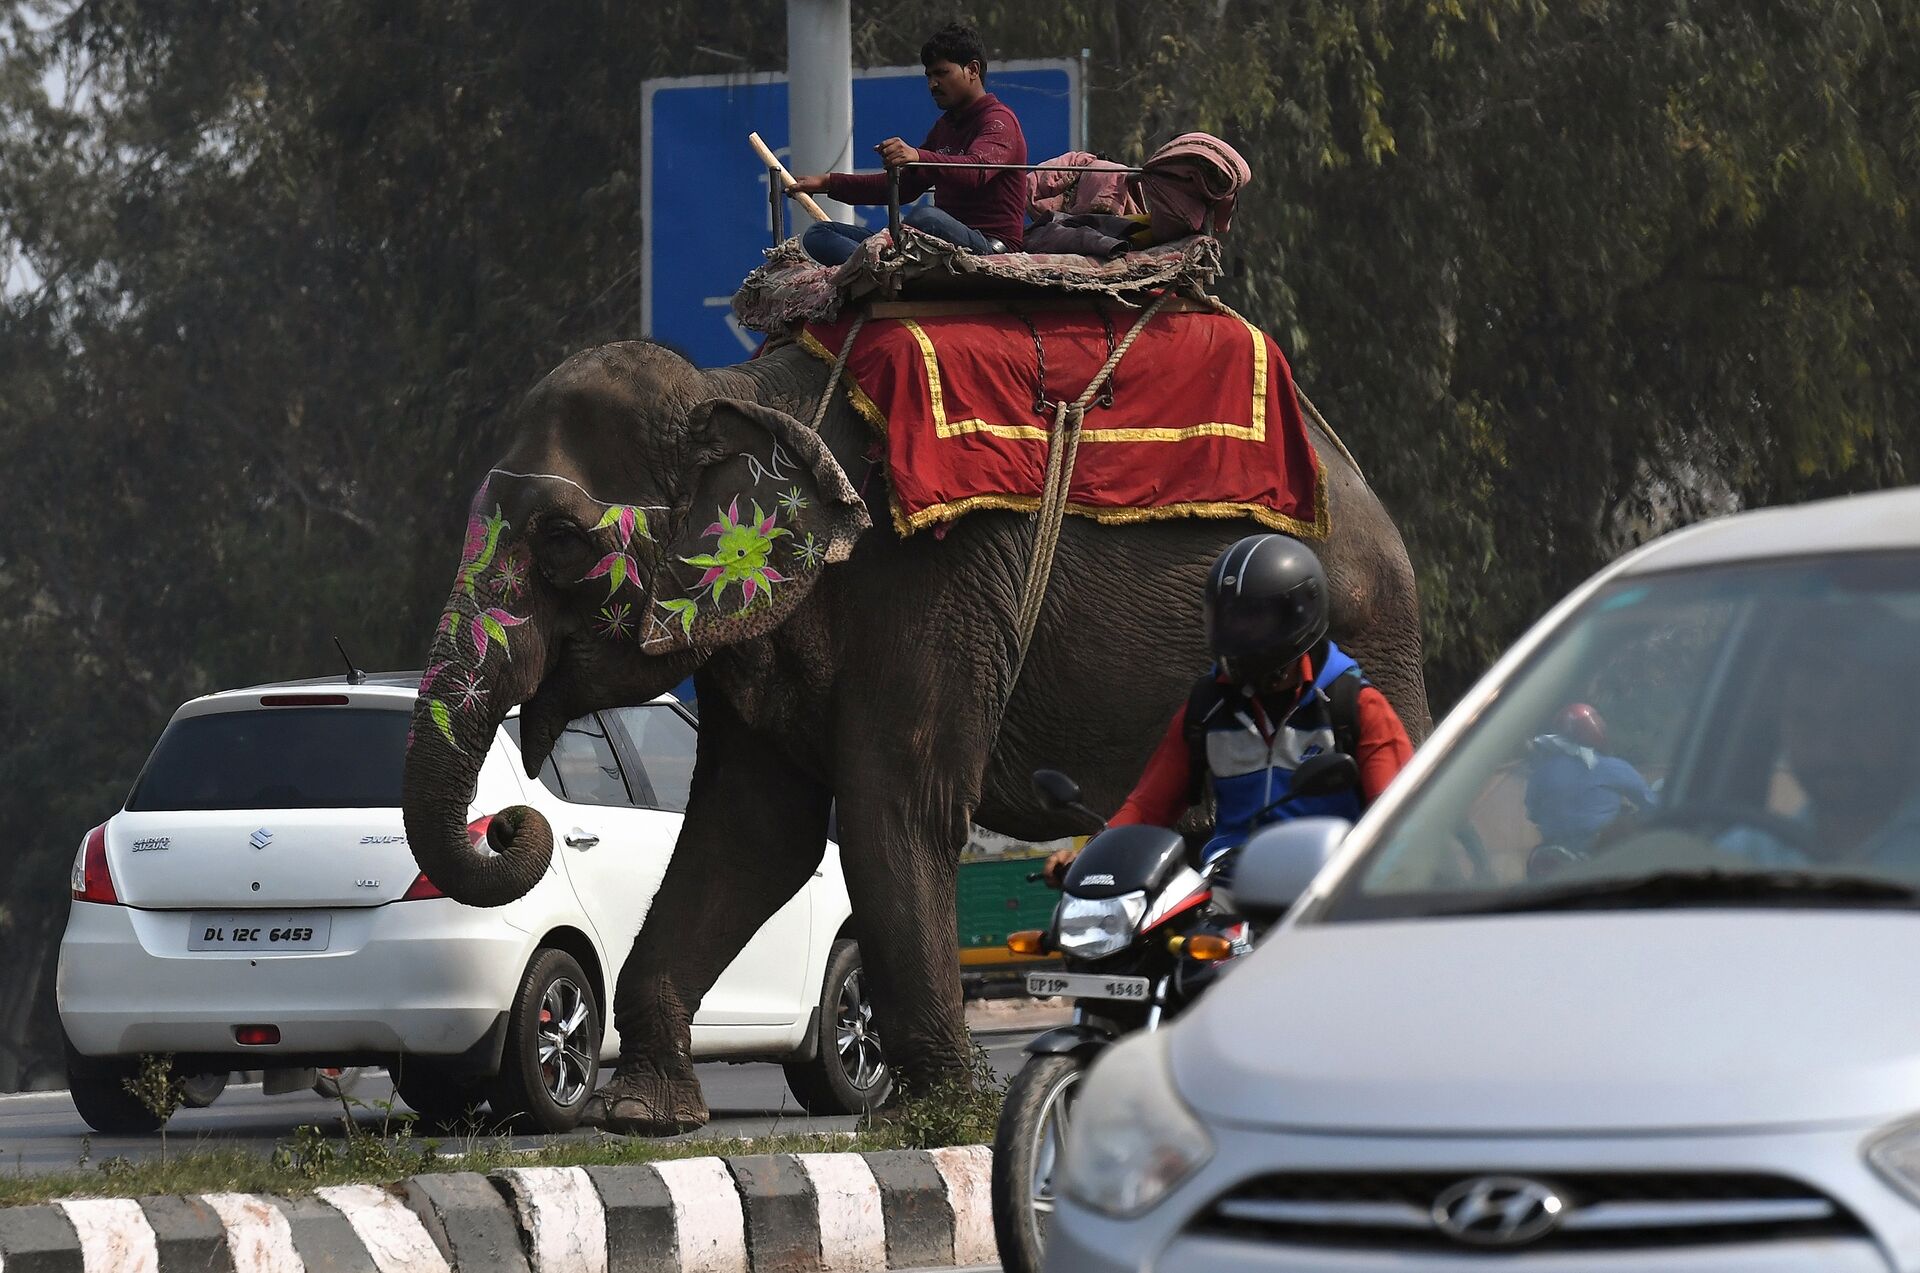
1132	1139
1093	927
1894	1155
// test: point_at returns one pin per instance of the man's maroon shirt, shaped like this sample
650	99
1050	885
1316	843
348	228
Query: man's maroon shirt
982	132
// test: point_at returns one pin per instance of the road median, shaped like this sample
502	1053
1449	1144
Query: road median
759	1213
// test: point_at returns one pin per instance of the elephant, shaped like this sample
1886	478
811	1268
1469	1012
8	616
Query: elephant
651	520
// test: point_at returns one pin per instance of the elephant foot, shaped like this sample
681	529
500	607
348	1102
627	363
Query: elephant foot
644	1102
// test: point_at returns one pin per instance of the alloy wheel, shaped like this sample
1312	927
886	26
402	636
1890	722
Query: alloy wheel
861	1056
565	1064
1056	1111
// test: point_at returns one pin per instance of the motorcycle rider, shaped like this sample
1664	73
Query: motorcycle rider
1575	789
1279	693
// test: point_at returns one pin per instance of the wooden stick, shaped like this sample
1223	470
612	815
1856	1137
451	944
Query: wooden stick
786	178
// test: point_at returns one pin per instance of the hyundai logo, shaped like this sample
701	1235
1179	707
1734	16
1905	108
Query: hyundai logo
1498	1210
260	839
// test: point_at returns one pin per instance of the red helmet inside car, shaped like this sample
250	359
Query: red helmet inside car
1580	724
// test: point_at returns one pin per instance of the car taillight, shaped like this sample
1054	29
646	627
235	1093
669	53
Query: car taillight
92	882
421	889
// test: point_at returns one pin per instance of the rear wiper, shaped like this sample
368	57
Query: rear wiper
1703	887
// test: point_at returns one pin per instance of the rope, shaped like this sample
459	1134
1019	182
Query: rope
1062	448
1222	307
833	377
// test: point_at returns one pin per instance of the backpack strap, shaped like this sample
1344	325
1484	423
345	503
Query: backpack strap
1203	700
1343	702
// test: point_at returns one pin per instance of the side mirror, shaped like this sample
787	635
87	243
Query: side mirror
1055	789
1329	773
1277	863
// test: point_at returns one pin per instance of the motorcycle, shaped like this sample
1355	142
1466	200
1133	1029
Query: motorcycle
1142	933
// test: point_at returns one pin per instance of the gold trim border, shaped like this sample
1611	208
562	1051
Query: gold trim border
945	428
952	510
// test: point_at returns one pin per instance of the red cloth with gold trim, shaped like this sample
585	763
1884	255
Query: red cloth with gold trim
1204	420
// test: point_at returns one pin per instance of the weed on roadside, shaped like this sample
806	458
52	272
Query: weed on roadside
958	1110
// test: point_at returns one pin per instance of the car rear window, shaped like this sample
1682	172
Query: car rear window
277	758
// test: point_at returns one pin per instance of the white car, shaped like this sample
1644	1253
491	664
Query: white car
1618	976
255	905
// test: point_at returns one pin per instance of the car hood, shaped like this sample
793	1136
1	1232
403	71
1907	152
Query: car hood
1619	1021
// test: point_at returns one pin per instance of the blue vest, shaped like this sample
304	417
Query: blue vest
1249	773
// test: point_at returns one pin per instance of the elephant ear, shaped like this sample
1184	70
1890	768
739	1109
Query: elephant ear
770	510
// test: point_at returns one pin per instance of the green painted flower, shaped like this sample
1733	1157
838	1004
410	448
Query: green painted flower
740	555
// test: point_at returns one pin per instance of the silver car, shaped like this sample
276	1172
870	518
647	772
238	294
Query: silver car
1620	975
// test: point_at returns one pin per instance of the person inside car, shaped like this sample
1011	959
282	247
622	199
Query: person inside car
1574	789
1849	743
1279	693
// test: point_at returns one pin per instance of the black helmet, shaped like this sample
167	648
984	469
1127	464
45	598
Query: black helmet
1266	605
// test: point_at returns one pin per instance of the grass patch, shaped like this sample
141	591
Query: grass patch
955	1113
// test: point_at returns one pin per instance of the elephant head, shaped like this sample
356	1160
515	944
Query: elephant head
635	525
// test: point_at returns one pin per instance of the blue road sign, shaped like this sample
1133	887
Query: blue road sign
704	194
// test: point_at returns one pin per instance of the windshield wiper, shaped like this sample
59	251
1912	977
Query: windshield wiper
1703	888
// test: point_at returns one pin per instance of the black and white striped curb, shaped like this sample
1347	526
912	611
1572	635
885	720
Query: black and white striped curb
773	1213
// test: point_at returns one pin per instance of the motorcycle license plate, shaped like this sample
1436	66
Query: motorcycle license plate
258	930
1082	985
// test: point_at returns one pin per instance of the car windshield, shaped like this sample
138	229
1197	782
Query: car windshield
279	758
1736	735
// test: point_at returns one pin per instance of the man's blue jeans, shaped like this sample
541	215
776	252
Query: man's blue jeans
830	242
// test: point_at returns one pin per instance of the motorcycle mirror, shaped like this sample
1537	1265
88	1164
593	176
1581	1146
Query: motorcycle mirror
1327	774
1055	789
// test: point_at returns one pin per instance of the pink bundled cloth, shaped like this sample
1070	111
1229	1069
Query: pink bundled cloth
1094	185
1192	178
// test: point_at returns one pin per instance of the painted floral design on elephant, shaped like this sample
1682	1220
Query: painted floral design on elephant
615	621
618	566
510	578
809	552
740	554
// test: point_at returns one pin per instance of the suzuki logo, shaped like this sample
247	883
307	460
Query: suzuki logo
260	839
1498	1210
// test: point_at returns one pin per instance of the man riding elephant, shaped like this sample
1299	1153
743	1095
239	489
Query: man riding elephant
650	519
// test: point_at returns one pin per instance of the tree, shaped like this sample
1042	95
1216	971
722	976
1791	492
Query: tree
1561	275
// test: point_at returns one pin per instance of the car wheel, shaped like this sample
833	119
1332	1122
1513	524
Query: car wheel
848	1073
98	1085
436	1093
552	1060
1026	1157
197	1091
336	1082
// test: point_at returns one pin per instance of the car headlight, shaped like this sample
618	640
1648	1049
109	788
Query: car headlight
1093	927
1132	1139
1894	1155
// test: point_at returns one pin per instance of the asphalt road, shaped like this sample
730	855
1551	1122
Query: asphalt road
41	1132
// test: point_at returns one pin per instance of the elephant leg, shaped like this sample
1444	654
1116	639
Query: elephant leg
754	834
901	854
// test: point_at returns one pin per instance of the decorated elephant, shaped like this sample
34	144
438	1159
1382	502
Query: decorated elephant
651	520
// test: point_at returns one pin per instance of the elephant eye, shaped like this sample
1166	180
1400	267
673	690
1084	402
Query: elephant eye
563	549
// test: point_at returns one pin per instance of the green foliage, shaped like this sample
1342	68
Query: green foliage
156	1086
159	1091
1563	276
959	1109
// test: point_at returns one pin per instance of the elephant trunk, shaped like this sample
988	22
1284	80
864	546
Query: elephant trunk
443	765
